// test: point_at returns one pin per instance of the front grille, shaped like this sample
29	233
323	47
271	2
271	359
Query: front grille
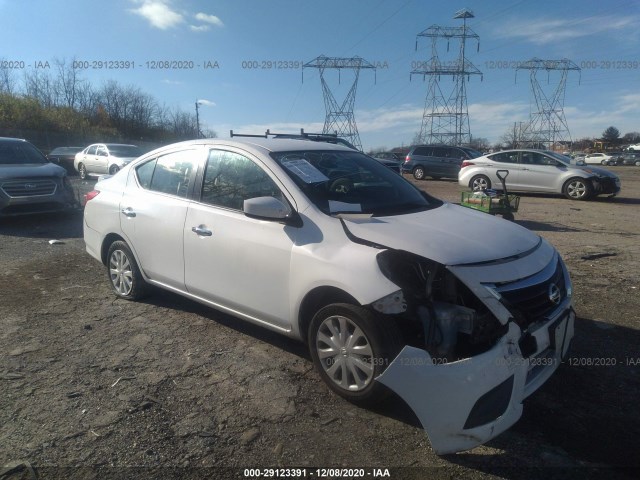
29	188
533	303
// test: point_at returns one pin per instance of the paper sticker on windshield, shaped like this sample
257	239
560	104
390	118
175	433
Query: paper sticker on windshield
335	207
305	171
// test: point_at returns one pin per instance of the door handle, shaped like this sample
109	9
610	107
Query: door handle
201	231
128	212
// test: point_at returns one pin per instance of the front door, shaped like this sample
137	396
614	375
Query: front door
234	261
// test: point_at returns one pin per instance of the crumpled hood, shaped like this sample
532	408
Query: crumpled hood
601	172
450	235
31	170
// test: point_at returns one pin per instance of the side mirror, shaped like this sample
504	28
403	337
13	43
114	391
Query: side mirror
270	208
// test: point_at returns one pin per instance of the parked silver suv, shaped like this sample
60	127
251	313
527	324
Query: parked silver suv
29	183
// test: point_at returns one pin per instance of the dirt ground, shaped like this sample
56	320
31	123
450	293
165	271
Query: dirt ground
96	387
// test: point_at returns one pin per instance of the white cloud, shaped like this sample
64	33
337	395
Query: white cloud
206	103
199	28
171	82
210	19
548	30
159	14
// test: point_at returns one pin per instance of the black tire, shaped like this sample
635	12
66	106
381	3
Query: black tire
418	173
603	162
637	164
114	169
577	189
508	216
123	272
82	171
352	370
479	183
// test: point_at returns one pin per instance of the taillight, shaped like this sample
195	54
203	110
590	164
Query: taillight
90	196
407	159
466	163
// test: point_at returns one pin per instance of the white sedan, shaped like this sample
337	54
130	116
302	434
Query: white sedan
388	286
104	158
597	159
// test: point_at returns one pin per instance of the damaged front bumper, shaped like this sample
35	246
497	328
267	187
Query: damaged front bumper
465	403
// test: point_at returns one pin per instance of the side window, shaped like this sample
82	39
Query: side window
505	157
440	152
170	174
92	150
230	179
145	173
102	151
423	151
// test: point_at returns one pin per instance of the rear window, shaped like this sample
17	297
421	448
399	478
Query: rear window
423	151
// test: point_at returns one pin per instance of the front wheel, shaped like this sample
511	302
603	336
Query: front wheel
603	162
418	173
114	169
350	347
637	163
124	274
578	189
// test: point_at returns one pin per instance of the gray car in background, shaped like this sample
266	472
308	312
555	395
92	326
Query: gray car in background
436	161
540	171
29	183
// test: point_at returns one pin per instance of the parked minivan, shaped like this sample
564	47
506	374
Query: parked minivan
460	313
437	161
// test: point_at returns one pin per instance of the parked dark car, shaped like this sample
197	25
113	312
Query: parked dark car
630	158
616	158
64	156
437	161
29	183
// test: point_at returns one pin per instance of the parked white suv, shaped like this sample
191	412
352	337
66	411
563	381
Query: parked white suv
460	313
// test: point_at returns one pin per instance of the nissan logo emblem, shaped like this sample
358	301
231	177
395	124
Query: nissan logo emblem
30	186
554	294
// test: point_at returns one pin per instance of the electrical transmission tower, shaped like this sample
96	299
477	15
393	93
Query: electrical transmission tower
446	116
547	124
339	117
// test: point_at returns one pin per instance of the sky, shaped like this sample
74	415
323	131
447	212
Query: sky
241	59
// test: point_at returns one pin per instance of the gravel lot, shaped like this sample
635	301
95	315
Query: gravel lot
94	387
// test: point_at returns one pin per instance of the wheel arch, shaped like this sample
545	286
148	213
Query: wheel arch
106	243
316	299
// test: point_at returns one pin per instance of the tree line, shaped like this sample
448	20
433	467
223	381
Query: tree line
60	102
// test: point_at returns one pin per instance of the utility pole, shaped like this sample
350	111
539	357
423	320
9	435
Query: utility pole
339	118
547	123
198	131
446	116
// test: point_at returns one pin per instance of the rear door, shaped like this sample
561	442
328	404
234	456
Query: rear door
153	211
504	161
101	160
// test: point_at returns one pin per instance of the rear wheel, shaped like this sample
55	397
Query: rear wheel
418	173
114	169
124	274
578	189
637	164
350	347
479	183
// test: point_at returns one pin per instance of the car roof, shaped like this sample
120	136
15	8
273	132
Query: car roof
11	139
259	145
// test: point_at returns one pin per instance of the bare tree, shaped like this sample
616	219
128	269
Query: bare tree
39	85
7	79
68	82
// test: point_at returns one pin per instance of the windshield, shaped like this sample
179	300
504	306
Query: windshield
17	153
124	150
351	183
557	156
